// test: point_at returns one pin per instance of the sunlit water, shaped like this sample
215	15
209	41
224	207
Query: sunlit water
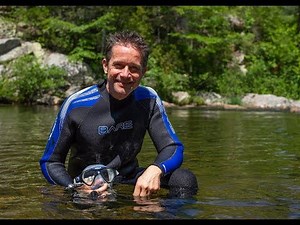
247	165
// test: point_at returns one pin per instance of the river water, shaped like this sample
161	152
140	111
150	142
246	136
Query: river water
247	165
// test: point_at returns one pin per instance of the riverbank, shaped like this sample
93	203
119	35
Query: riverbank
250	102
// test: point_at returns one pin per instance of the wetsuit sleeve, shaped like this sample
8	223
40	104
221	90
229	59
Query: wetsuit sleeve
169	147
52	162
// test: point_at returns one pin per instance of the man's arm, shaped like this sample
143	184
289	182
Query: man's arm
52	162
61	136
170	149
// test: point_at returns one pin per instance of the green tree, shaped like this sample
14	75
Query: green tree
28	81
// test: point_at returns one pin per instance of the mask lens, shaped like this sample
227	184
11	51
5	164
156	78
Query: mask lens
109	174
98	182
88	176
105	175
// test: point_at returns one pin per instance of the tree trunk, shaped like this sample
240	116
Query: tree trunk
298	22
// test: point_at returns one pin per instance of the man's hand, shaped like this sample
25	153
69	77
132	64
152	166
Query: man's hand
148	182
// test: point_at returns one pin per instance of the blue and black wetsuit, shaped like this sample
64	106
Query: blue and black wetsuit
100	129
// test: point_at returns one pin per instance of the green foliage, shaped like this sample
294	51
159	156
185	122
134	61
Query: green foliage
205	45
197	100
231	82
163	83
7	89
235	100
162	76
273	64
193	47
66	36
30	14
29	80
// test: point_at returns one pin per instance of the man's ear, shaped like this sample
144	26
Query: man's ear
104	65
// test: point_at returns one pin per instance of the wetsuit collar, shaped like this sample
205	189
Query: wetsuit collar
113	101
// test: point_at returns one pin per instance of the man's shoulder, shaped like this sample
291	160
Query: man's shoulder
143	92
86	91
84	97
147	89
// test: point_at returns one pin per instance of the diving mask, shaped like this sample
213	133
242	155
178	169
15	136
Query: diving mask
95	176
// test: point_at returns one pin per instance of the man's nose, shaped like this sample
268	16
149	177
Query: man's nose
126	72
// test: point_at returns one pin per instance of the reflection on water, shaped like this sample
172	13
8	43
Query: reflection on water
247	165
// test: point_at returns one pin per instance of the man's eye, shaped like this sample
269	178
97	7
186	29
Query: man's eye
118	66
134	69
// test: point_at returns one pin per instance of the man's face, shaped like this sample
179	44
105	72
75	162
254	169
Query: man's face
124	71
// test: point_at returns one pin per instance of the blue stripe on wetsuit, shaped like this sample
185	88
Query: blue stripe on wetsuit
177	158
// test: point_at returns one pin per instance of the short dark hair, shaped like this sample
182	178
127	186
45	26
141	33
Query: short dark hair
124	38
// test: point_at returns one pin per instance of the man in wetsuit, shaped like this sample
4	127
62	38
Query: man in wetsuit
106	124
